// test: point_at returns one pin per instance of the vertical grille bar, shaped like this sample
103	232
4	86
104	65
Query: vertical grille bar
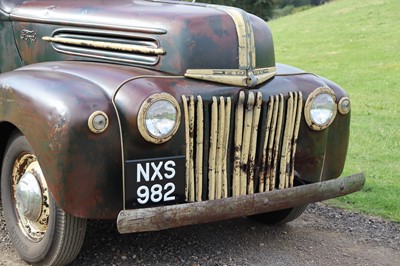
253	143
271	139
264	181
264	177
213	149
287	138
225	188
220	148
238	144
290	146
191	144
199	148
248	123
187	150
296	134
277	142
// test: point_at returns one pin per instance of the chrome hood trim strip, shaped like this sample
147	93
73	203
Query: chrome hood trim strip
246	74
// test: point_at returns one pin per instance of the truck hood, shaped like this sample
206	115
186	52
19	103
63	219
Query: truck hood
209	42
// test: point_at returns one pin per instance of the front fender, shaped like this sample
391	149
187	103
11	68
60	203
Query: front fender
51	108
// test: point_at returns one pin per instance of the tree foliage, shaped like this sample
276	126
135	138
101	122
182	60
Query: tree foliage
266	9
261	8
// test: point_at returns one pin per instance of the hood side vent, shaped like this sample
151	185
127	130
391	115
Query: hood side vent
107	45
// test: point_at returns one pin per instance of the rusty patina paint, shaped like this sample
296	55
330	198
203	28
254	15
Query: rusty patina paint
82	169
9	56
192	35
85	177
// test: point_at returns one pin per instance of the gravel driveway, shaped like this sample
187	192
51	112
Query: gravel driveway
321	236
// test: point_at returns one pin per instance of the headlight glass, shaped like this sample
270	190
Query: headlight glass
158	118
161	118
320	109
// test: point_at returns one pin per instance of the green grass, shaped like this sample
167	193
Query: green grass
356	44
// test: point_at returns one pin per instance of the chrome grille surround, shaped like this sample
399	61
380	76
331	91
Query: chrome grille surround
230	151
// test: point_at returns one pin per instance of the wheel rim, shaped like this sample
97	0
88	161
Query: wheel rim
30	197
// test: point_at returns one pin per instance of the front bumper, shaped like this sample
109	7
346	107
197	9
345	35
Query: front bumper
158	218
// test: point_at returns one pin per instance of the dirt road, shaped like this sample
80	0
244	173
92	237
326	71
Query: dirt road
321	236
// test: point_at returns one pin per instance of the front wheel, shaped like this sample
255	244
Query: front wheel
40	231
279	217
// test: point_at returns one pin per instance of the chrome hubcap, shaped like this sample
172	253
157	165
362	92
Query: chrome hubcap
31	197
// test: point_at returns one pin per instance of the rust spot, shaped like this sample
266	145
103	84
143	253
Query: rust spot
238	148
45	202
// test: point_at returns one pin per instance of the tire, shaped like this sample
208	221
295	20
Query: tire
279	217
56	237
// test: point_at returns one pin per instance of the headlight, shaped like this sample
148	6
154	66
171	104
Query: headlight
320	109
158	118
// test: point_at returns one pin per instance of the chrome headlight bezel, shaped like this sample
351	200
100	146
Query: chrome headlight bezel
309	106
144	108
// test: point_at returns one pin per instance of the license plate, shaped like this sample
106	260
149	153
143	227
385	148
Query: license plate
154	182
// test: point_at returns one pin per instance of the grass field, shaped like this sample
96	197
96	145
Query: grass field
356	44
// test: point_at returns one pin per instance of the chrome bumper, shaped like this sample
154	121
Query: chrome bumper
158	218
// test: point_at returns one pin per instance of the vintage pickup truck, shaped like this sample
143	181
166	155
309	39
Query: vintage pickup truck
158	114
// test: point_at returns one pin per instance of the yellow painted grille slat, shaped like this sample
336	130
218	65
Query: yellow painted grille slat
248	122
225	188
238	145
191	145
264	180
220	148
253	142
213	149
199	148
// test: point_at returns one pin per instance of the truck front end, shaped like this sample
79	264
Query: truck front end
158	114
